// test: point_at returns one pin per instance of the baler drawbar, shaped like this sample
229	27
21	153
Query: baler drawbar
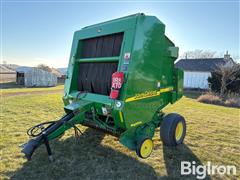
29	148
120	76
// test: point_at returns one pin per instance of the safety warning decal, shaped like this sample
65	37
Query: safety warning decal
127	55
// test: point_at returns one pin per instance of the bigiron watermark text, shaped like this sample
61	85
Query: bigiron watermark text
201	171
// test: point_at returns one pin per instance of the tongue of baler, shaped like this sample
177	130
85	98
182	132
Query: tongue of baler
75	114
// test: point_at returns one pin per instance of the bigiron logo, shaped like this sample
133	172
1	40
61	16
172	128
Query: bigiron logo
201	171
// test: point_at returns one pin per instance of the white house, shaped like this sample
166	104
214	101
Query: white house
197	71
35	77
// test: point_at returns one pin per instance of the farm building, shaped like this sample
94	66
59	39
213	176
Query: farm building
35	77
7	72
197	71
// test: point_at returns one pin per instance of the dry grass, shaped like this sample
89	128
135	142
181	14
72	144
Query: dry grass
210	99
232	100
212	135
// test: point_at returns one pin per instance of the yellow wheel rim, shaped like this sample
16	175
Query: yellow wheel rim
179	131
146	148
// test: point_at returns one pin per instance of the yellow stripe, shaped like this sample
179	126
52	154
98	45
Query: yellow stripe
149	94
121	116
135	124
135	98
166	89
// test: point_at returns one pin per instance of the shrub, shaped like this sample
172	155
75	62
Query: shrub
210	98
233	102
230	100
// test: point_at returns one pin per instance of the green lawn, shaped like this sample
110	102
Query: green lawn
212	135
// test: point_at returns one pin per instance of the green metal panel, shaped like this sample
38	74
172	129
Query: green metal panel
152	63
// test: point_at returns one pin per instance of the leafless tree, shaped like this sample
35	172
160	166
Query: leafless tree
44	67
198	54
228	75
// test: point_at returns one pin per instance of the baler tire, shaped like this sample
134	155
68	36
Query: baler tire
147	145
169	129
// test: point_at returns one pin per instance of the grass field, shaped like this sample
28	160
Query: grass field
212	135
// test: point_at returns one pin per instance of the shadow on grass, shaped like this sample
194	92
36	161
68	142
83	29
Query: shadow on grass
173	156
10	85
88	159
13	85
192	94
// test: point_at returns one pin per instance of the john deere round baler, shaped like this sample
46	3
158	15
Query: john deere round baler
120	76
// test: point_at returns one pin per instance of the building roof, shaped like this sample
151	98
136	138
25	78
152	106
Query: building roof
24	69
8	68
207	65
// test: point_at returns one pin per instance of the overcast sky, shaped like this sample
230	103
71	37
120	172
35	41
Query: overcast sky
34	32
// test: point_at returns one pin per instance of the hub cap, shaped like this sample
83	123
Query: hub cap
146	148
179	131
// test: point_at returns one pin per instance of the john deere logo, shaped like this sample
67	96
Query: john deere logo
146	94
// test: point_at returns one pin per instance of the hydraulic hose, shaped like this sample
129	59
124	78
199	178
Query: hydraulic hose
32	144
39	128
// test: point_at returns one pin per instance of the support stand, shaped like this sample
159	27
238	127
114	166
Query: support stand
49	151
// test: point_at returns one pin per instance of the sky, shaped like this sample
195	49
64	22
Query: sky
34	32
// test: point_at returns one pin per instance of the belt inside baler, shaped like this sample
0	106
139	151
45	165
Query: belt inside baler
96	77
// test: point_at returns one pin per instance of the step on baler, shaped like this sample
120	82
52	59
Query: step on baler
120	76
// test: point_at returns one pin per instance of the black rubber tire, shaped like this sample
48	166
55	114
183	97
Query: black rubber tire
168	127
138	149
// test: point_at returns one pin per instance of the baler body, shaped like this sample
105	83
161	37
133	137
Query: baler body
136	48
135	45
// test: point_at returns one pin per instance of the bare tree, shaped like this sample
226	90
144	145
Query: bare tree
198	54
44	67
228	75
